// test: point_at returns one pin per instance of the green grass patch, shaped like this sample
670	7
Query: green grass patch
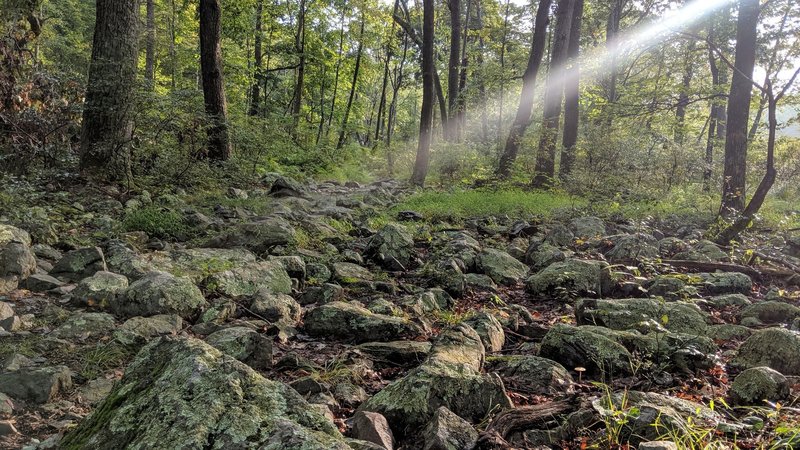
157	222
458	205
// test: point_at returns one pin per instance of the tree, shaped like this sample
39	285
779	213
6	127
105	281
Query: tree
572	94
300	48
733	185
612	47
354	84
150	46
258	61
554	91
107	128
426	114
523	117
452	130
216	105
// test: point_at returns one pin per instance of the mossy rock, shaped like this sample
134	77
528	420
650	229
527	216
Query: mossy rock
577	277
776	348
532	373
725	283
269	276
183	393
624	314
754	385
159	293
771	312
392	247
586	347
342	320
501	267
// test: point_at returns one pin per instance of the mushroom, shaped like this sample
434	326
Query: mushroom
580	371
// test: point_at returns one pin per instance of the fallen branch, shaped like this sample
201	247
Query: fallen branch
525	418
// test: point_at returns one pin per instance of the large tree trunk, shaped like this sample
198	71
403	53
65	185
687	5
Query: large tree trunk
336	72
452	73
572	94
733	188
612	47
107	126
554	93
353	85
219	145
426	115
523	117
683	95
255	92
396	84
713	123
300	48
150	45
503	44
461	100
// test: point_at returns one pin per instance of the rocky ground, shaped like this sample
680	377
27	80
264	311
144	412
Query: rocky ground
298	316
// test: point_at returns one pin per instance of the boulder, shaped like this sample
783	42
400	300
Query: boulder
340	320
725	283
532	374
259	236
450	377
277	308
17	260
633	247
489	329
770	312
372	427
776	348
36	385
159	293
40	282
577	277
540	256
326	293
199	263
624	314
587	227
84	325
658	445
586	347
139	330
123	260
447	431
183	393
269	276
349	273
754	385
396	353
79	264
244	344
392	247
501	267
99	289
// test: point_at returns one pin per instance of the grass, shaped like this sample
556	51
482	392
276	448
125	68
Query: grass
158	222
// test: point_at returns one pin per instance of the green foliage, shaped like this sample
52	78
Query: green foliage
157	222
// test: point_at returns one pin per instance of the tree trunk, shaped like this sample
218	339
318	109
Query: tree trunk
255	101
452	73
426	115
397	83
572	94
733	189
461	100
554	92
173	54
762	101
683	96
107	127
336	73
343	131
299	46
612	46
523	117
503	44
150	46
385	83
713	123
219	145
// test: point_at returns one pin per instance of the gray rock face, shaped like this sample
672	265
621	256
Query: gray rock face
279	308
347	321
397	353
489	329
540	256
99	289
579	277
501	267
771	312
138	330
17	261
726	283
159	293
349	273
634	247
392	247
533	373
42	283
269	276
122	260
776	348
754	385
244	344
450	377
84	325
587	227
447	431
624	314
35	384
79	264
373	427
194	397
258	237
585	347
326	293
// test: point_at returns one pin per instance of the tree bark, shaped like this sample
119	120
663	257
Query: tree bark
554	92
150	46
461	99
299	45
426	114
216	105
353	85
255	100
453	70
572	94
107	127
503	44
336	73
734	176
713	123
523	117
683	96
612	46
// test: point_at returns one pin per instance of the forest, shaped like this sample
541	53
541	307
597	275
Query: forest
400	224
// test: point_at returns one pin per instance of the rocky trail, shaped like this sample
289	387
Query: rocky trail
321	316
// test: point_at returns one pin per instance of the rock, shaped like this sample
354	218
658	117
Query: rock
489	329
754	385
259	237
669	287
392	247
79	264
37	385
341	320
194	397
447	431
95	391
122	260
99	289
723	301
279	308
6	405
397	353
539	256
584	227
294	266
559	236
372	427
449	275
533	374
501	267
40	282
658	445
83	326
349	394
728	332
349	273
633	247
269	276
577	277
624	314
586	347
138	330
16	257
776	348
450	377
244	344
6	311
726	283
159	293
282	186
199	263
771	312
326	293
7	428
